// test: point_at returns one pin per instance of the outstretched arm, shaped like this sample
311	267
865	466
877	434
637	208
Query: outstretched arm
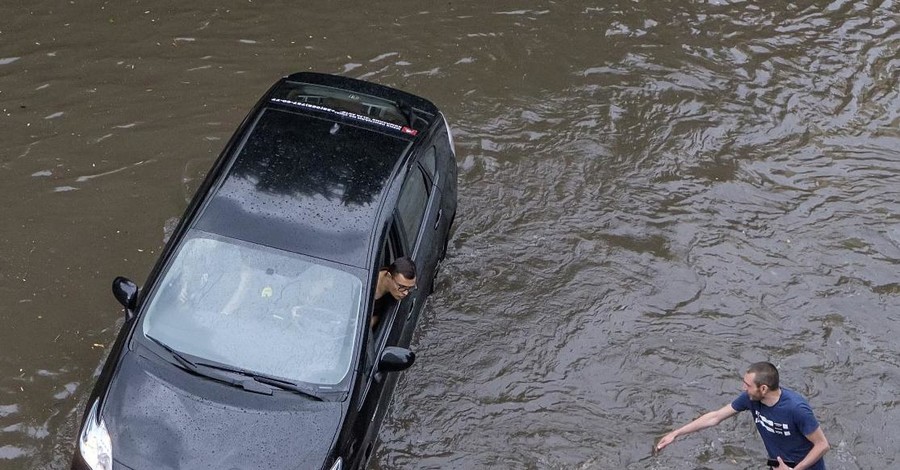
707	420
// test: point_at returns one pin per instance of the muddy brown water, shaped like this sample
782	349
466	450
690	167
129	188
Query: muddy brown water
652	195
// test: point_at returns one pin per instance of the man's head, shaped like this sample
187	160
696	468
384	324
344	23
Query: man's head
402	277
760	379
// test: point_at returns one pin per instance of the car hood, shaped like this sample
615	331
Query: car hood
162	417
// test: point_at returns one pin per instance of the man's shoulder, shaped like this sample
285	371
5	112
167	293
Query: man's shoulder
801	412
794	401
792	396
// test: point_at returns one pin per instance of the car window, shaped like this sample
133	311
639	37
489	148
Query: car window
429	163
390	248
341	100
257	308
412	203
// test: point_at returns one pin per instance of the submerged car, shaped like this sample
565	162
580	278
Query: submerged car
251	345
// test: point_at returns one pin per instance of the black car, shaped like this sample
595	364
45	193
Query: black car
251	345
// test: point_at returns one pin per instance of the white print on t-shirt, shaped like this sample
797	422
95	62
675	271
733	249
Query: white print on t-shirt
771	426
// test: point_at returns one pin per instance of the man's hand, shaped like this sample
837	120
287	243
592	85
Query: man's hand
666	440
782	465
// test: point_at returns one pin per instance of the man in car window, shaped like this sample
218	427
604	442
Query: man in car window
398	279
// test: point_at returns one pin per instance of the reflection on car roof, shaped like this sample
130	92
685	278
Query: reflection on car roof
305	184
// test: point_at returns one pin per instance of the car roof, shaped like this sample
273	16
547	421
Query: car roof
310	180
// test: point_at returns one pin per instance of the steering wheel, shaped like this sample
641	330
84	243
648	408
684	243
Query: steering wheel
320	321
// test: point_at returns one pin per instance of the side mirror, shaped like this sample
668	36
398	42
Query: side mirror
125	291
396	359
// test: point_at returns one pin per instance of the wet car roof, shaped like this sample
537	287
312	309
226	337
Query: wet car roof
306	184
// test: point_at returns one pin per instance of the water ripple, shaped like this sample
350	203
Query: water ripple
652	195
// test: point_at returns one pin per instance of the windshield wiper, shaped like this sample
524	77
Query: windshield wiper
193	368
287	385
254	383
185	362
265	379
408	112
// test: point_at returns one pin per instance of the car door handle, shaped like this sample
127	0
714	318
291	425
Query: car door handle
438	221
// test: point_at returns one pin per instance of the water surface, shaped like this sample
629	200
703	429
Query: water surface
652	195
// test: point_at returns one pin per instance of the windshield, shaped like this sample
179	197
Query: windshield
256	308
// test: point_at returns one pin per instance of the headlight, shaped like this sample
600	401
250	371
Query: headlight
338	464
94	443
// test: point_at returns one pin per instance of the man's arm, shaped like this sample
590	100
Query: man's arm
820	446
707	420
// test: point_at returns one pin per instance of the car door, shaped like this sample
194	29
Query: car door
411	234
438	217
419	213
446	181
378	386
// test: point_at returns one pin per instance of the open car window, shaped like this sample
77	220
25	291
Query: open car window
257	308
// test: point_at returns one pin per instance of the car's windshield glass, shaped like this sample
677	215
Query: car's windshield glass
257	308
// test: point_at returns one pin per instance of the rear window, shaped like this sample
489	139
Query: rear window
341	101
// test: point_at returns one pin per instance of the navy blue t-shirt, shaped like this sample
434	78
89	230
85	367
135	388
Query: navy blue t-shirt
783	427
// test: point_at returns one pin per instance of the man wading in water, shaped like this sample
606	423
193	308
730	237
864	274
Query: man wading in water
784	419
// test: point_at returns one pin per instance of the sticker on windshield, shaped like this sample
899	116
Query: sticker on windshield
404	129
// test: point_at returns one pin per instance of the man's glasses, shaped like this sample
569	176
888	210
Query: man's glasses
402	288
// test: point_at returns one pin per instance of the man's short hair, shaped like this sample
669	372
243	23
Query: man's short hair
403	266
764	374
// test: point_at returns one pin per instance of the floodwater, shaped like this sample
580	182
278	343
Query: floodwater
653	194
